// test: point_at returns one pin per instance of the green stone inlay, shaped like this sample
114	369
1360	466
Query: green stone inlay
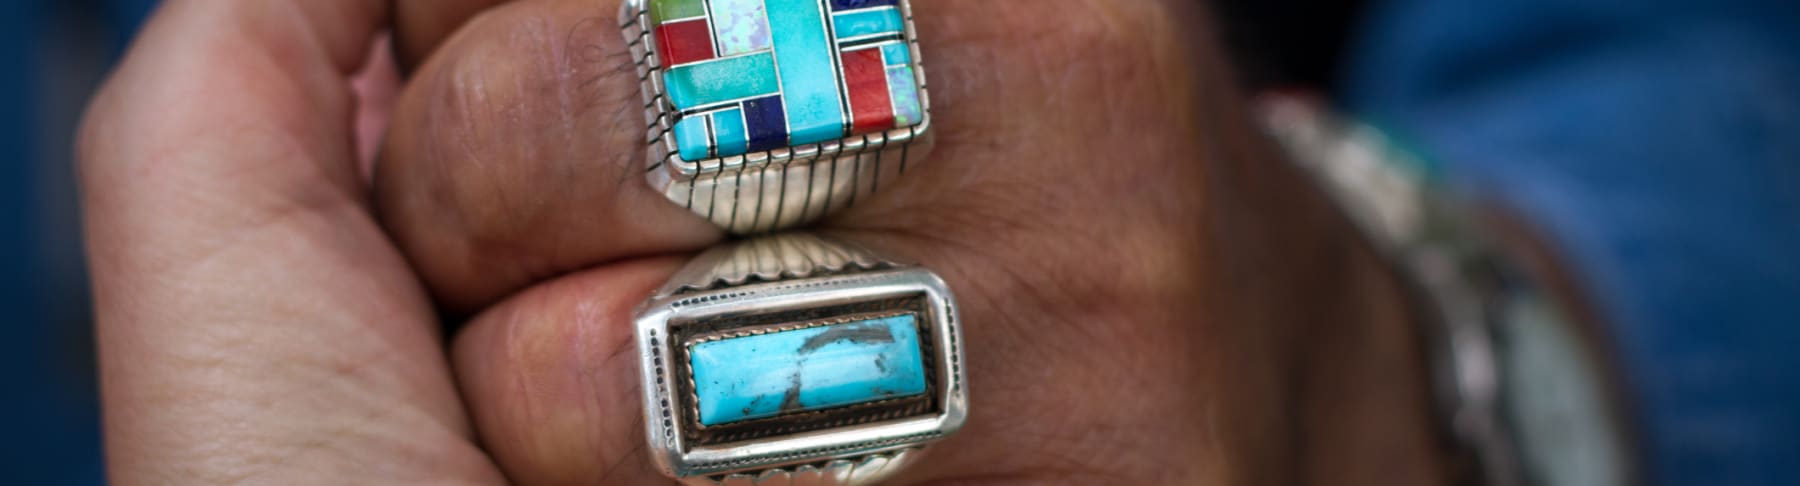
721	80
661	10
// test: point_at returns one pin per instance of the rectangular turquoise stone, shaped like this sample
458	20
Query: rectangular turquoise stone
897	54
809	79
729	134
692	135
721	80
869	22
767	375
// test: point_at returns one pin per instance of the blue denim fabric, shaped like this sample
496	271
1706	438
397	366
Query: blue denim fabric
1658	144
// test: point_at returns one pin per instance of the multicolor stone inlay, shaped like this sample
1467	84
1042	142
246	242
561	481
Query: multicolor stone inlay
748	76
767	375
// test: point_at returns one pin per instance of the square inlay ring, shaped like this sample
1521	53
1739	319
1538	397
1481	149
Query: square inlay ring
804	371
765	114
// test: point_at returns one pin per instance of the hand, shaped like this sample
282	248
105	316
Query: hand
1141	281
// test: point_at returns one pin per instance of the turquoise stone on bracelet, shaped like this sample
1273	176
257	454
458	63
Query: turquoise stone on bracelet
768	375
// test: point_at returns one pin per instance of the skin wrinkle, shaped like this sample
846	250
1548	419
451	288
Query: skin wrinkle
584	51
526	411
587	317
328	378
560	54
165	160
538	204
484	198
578	395
614	63
621	361
1052	410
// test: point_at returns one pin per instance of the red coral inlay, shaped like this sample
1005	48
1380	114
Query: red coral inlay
684	42
865	75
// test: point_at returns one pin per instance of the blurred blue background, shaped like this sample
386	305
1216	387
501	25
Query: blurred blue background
56	52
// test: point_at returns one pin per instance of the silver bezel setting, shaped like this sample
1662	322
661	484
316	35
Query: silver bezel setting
658	336
767	191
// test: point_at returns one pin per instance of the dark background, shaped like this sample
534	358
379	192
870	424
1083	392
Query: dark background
57	51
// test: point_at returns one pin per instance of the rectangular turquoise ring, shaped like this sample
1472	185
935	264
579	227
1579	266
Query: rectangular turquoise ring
764	114
793	371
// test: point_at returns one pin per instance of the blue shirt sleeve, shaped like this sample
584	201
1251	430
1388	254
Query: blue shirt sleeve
1658	143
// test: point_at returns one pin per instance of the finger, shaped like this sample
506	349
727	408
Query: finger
421	25
1052	121
551	379
550	376
516	154
251	319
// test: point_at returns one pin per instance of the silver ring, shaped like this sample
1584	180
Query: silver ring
796	359
768	114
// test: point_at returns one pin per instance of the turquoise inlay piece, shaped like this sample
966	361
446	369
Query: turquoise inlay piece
729	134
859	23
766	375
691	139
740	26
897	54
904	87
809	80
720	80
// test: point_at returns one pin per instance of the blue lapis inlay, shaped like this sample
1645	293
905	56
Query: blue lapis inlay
767	123
767	375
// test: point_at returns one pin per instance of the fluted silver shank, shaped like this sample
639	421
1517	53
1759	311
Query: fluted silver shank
859	471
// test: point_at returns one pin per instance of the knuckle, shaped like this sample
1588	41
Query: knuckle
522	99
